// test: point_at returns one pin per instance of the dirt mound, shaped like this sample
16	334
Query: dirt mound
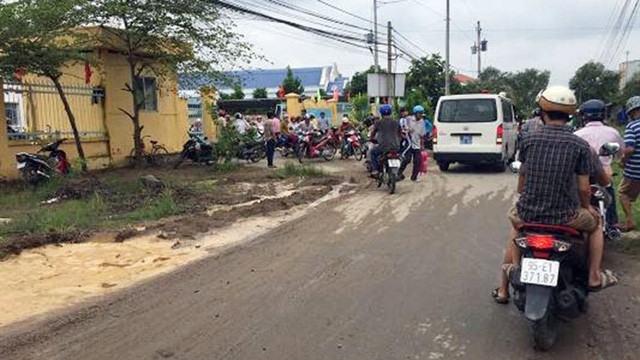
16	246
190	226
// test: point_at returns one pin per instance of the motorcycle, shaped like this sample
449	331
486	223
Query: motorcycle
602	200
389	165
352	145
35	168
253	150
198	150
287	145
552	281
313	145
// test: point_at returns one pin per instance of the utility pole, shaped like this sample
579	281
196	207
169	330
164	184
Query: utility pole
479	31
446	63
375	35
390	82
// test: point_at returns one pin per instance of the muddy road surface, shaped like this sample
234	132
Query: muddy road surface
367	276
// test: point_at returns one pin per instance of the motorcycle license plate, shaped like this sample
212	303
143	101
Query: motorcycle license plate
21	165
394	163
466	139
539	272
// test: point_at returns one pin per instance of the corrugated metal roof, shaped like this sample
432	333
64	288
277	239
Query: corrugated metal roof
253	79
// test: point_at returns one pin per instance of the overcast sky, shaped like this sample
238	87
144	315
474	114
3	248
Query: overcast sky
554	35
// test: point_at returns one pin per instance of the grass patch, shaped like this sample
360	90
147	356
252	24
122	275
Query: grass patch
162	206
292	170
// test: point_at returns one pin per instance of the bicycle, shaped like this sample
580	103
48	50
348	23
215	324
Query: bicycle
159	155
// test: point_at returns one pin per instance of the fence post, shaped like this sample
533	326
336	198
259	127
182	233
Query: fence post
6	158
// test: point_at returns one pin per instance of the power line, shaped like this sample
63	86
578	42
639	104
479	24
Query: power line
347	12
627	30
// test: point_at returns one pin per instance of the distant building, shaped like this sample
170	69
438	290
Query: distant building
463	79
327	78
627	70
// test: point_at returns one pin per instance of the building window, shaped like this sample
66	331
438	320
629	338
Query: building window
147	93
11	112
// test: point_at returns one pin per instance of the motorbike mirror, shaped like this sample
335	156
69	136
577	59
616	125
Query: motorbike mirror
206	138
609	149
515	166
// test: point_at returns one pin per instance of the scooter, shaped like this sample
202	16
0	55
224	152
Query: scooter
198	150
602	200
352	145
35	168
551	282
389	167
287	145
313	145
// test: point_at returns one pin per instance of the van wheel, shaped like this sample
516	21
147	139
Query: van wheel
444	166
502	166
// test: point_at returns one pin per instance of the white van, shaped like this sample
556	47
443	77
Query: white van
474	129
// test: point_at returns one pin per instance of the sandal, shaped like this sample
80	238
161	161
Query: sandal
608	280
497	298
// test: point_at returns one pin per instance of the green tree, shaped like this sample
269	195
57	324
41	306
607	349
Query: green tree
426	78
360	107
260	93
632	88
292	84
237	94
161	37
358	83
524	86
593	81
37	35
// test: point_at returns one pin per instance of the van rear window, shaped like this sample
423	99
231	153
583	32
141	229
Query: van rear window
468	110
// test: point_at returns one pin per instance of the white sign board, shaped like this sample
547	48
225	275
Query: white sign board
378	85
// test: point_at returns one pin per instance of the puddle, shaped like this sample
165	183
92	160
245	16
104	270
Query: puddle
54	277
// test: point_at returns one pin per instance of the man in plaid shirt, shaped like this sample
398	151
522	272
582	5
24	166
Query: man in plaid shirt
554	186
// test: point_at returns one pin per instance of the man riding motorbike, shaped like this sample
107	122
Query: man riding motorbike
387	133
554	187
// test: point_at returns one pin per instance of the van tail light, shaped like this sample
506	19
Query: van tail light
499	134
434	134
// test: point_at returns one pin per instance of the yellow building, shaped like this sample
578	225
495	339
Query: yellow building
98	104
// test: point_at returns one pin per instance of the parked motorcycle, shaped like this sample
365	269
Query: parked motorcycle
352	145
35	168
552	281
198	150
602	200
253	151
313	145
287	145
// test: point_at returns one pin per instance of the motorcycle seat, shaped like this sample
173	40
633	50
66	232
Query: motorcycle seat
550	228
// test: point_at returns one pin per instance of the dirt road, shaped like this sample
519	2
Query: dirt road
370	276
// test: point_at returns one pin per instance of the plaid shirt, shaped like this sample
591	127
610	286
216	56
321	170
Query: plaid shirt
552	158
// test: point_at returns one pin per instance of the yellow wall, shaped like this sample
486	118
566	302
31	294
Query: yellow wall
294	107
168	125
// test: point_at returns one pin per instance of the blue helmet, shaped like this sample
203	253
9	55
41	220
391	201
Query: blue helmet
593	110
418	109
385	110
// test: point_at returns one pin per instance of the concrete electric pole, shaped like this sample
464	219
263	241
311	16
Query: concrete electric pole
446	63
390	82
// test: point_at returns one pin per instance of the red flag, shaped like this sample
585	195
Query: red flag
87	73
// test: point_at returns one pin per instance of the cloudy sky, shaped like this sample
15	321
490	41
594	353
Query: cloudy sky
556	35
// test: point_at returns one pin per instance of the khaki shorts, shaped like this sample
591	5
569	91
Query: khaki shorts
583	220
629	189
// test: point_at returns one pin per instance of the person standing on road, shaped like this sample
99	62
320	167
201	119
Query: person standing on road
271	138
596	133
417	131
630	185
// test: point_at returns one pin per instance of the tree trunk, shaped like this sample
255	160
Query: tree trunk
72	121
137	130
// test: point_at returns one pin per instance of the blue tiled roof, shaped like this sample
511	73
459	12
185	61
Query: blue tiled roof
253	79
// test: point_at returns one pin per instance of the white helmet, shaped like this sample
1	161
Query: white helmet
557	98
345	120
